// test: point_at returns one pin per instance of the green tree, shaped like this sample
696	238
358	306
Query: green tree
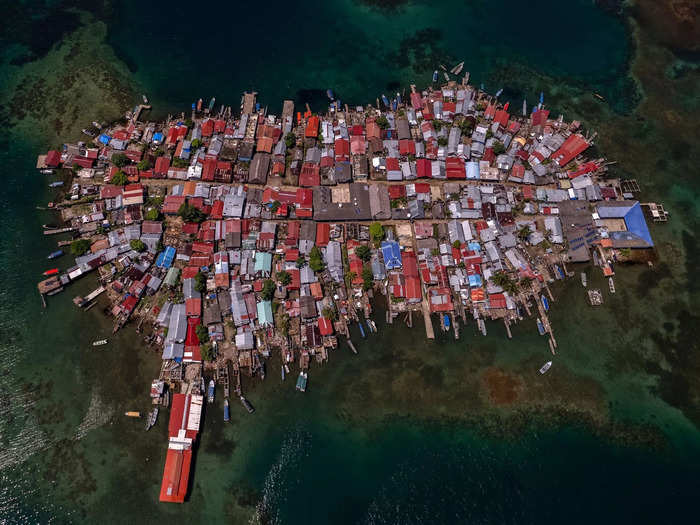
457	244
180	163
290	140
376	231
349	278
202	333
80	247
120	160
137	245
301	262
207	351
498	147
189	213
196	143
367	278
153	214
442	141
268	291
364	253
329	313
119	178
275	206
524	232
284	278
382	122
144	165
437	125
200	282
316	260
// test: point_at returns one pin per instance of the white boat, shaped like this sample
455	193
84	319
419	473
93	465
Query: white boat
152	418
447	77
545	367
611	284
457	69
145	100
584	280
47	172
100	342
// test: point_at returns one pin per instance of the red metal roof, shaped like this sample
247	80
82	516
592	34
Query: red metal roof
162	165
573	146
423	168
53	158
312	127
454	167
323	230
325	326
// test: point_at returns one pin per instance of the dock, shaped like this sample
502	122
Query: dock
429	330
56	231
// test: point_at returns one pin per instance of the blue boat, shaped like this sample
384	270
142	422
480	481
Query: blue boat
545	303
329	93
541	97
560	272
301	381
435	76
498	93
447	320
211	103
385	100
369	325
540	326
227	412
362	330
398	97
55	254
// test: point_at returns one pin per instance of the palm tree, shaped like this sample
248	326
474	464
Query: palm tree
524	232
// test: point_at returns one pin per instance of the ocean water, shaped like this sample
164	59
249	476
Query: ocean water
408	431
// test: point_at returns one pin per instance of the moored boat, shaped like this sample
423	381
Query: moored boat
584	279
611	284
301	381
457	69
545	303
100	342
329	94
227	411
498	93
210	392
52	271
540	326
545	367
247	405
362	330
152	418
385	100
56	184
54	255
435	76
283	376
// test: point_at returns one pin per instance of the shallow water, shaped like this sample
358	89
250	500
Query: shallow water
407	431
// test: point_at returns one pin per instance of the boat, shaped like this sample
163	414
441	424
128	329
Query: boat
301	381
132	413
283	373
524	108
145	100
611	284
457	69
97	124
584	280
385	100
55	254
369	325
362	330
152	418
498	93
211	103
52	271
227	411
47	172
545	303
545	367
373	325
210	392
560	272
599	96
398	97
286	368
541	98
202	385
199	105
435	76
329	93
446	319
99	342
447	77
247	405
540	326
56	184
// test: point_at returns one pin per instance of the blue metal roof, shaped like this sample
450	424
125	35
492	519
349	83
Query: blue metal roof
392	255
165	258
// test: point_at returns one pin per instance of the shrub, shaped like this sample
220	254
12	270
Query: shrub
120	160
80	247
268	291
363	252
376	231
284	278
316	260
137	245
119	178
200	282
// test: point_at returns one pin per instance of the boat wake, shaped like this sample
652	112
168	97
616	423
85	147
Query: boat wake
97	415
294	449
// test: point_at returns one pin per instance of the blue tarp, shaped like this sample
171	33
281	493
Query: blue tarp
392	255
474	247
158	137
475	280
165	258
104	139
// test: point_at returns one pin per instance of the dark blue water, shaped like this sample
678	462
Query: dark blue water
393	435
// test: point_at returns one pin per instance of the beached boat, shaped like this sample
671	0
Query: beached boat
385	100
54	255
52	271
584	280
611	284
145	99
540	326
435	76
56	184
132	413
447	77
301	381
227	411
210	392
283	373
457	69
362	330
545	303
247	405
545	367
329	94
99	342
152	418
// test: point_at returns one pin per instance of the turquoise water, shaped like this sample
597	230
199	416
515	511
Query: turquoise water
408	431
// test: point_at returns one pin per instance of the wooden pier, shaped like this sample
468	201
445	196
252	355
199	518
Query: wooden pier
56	231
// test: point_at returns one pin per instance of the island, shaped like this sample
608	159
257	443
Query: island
228	236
